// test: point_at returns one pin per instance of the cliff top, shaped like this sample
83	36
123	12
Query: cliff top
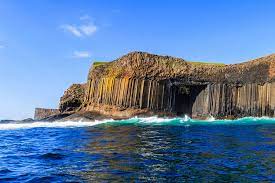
151	66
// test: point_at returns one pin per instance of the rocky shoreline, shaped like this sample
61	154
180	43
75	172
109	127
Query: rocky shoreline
143	84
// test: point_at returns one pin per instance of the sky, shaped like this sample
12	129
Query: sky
47	45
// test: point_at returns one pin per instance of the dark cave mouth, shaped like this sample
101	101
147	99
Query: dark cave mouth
185	96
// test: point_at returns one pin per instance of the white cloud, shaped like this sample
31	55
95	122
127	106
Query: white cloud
72	29
81	54
88	30
2	46
84	29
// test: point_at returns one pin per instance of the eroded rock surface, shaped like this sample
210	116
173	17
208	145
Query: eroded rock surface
42	113
73	98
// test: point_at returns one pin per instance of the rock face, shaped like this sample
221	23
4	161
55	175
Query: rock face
234	100
73	98
42	113
143	81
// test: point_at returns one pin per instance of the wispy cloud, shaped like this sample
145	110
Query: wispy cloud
82	54
72	29
2	46
84	29
88	30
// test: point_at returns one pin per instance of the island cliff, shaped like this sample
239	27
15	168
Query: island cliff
142	83
172	85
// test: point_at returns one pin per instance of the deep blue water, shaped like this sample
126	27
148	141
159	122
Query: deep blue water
139	150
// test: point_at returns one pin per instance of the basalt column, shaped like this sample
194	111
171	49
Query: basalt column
131	92
233	100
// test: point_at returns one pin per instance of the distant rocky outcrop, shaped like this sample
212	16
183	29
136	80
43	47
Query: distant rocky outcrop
7	121
42	113
73	98
27	120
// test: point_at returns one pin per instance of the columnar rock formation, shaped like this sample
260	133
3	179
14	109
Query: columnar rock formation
235	100
165	84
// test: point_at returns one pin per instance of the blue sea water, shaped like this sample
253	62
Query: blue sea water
139	150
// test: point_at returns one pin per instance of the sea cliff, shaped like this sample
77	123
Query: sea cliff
140	83
144	81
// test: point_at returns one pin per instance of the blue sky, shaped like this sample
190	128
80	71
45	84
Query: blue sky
47	45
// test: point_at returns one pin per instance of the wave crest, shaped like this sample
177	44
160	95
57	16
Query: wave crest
41	124
153	120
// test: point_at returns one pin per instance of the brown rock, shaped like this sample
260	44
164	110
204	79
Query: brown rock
141	81
42	113
73	98
150	66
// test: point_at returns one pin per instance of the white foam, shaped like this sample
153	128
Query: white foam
41	124
143	120
154	119
211	119
186	118
256	118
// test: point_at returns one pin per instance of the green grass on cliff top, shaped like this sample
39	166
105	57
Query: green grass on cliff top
206	63
95	64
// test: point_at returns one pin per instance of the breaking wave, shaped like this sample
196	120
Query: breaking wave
41	124
153	120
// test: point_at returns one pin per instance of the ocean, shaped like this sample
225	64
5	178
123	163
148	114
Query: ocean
139	150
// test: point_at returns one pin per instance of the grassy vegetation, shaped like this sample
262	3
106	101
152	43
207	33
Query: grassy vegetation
95	64
173	64
207	63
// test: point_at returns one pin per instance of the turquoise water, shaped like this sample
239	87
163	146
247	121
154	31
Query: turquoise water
139	149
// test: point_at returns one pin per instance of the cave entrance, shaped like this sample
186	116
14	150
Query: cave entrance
185	96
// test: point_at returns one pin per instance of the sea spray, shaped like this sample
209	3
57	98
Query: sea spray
43	124
153	120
